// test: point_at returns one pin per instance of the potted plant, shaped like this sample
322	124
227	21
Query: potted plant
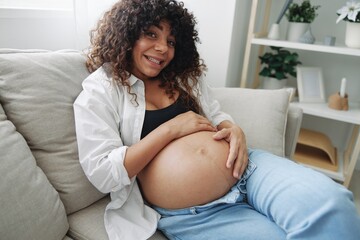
278	65
351	15
300	16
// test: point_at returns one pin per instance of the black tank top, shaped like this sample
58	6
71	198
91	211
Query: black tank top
154	118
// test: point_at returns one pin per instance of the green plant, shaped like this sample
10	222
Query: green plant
304	12
279	63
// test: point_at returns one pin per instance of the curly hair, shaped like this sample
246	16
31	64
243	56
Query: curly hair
116	33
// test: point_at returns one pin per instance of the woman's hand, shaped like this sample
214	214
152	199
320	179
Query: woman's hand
238	155
187	123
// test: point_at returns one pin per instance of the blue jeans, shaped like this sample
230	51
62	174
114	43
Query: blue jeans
275	199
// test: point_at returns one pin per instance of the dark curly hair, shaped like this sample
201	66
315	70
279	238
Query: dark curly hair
116	33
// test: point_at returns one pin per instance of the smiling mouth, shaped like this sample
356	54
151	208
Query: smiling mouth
153	60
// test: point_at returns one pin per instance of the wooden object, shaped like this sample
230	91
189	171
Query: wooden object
339	103
315	149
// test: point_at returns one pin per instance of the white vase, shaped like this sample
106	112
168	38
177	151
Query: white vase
273	83
352	35
296	30
274	32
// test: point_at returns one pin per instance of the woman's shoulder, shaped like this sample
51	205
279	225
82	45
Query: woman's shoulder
99	76
101	80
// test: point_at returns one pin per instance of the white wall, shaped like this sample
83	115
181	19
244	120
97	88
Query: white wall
49	28
215	24
45	29
87	13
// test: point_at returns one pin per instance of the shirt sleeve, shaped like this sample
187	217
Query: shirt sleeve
101	150
210	106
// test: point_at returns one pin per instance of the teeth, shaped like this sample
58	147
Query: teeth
153	60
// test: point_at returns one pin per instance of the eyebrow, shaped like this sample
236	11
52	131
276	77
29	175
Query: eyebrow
162	29
159	27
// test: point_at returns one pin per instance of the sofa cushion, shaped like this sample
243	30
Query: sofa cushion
262	114
28	201
37	91
88	223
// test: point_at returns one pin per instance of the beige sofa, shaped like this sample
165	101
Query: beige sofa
44	193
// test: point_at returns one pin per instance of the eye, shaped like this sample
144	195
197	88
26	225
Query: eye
172	43
150	34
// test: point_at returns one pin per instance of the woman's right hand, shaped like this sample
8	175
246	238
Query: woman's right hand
187	123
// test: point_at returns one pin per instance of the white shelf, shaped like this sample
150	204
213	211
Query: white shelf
322	110
317	47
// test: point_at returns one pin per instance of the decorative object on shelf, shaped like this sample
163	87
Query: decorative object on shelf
307	37
273	83
278	64
351	14
310	84
329	40
339	100
352	35
315	149
274	32
296	30
300	16
343	87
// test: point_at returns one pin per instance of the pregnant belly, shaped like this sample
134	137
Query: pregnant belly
187	172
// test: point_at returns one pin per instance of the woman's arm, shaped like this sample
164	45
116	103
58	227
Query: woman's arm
141	153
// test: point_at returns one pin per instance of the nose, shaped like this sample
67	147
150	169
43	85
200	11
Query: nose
161	46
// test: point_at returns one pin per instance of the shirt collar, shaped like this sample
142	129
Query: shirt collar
132	80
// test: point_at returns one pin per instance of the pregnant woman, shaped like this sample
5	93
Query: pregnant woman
150	134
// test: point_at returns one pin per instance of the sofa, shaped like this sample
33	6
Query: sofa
44	192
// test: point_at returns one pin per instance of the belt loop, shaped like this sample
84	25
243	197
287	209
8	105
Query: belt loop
193	210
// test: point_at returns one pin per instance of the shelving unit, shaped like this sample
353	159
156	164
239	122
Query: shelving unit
347	159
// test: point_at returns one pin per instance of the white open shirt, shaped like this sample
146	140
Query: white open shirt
107	122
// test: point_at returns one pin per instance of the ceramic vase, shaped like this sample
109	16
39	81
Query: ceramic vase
274	32
352	35
296	30
307	37
273	83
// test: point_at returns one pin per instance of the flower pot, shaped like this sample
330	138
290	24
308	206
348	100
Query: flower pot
274	83
352	35
296	30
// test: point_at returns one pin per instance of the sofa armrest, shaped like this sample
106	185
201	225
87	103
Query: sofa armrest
294	118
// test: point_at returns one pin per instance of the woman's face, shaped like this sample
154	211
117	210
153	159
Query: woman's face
153	51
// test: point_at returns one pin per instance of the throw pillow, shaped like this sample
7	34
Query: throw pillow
37	91
262	114
30	206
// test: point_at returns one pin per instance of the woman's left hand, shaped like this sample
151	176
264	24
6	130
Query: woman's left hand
238	155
